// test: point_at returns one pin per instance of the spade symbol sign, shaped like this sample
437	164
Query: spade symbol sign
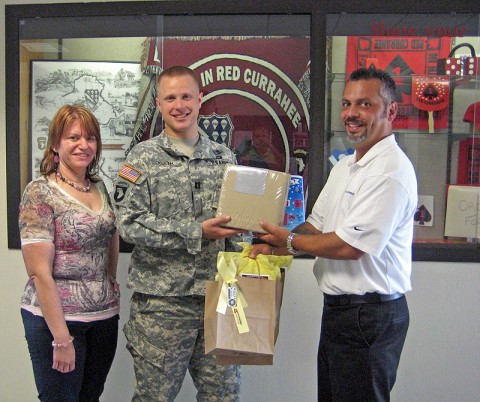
422	215
430	92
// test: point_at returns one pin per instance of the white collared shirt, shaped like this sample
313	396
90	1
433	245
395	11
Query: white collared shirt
370	205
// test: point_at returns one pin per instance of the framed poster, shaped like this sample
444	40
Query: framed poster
109	89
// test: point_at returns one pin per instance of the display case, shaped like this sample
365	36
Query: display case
432	59
252	64
277	68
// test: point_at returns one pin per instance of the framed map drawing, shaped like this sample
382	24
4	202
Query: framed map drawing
109	89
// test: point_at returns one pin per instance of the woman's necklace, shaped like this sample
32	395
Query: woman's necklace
71	183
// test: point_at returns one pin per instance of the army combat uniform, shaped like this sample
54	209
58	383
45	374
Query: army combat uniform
161	198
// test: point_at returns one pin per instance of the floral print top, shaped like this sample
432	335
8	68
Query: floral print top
81	237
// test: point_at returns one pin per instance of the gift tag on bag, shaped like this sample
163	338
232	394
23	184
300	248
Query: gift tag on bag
232	295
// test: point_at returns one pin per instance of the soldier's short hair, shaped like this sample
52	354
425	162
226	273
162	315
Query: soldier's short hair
176	71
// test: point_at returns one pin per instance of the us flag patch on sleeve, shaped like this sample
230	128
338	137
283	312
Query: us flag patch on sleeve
129	173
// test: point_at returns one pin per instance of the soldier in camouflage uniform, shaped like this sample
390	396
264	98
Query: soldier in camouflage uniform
165	198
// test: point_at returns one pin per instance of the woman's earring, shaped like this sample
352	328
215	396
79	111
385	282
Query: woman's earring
56	158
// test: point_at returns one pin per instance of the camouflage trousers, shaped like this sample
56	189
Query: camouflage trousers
165	338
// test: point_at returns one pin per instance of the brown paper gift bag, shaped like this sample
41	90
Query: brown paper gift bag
222	338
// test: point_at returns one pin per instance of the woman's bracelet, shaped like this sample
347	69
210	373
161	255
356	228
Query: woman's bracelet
62	344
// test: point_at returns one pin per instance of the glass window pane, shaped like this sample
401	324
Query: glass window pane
254	70
432	59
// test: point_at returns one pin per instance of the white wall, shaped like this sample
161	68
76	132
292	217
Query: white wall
441	359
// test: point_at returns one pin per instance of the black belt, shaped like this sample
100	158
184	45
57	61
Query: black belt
343	300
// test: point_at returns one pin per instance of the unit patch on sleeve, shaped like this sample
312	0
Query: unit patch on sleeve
129	173
120	192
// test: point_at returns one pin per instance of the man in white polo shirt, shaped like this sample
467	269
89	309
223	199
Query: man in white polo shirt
361	230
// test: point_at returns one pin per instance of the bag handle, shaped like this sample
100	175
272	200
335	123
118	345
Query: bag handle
472	50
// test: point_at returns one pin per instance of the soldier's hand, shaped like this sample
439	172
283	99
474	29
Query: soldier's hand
212	229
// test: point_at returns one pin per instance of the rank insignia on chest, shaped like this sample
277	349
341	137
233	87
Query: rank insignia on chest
129	173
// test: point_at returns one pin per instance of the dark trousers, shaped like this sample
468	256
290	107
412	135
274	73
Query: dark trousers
95	345
359	351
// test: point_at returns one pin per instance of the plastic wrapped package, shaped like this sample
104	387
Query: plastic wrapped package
250	195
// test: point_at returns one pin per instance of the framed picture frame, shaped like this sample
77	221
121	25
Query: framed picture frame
109	89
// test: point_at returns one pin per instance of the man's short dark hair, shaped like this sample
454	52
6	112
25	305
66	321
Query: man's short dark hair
388	89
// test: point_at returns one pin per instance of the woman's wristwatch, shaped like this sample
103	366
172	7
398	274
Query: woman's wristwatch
292	250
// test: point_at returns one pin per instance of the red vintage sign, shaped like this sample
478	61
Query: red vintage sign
402	57
430	93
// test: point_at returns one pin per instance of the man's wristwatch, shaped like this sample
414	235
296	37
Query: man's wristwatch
290	248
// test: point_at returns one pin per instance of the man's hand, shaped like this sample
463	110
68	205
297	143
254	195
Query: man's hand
260	248
276	237
212	229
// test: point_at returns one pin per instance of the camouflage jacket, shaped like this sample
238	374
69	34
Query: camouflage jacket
161	198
